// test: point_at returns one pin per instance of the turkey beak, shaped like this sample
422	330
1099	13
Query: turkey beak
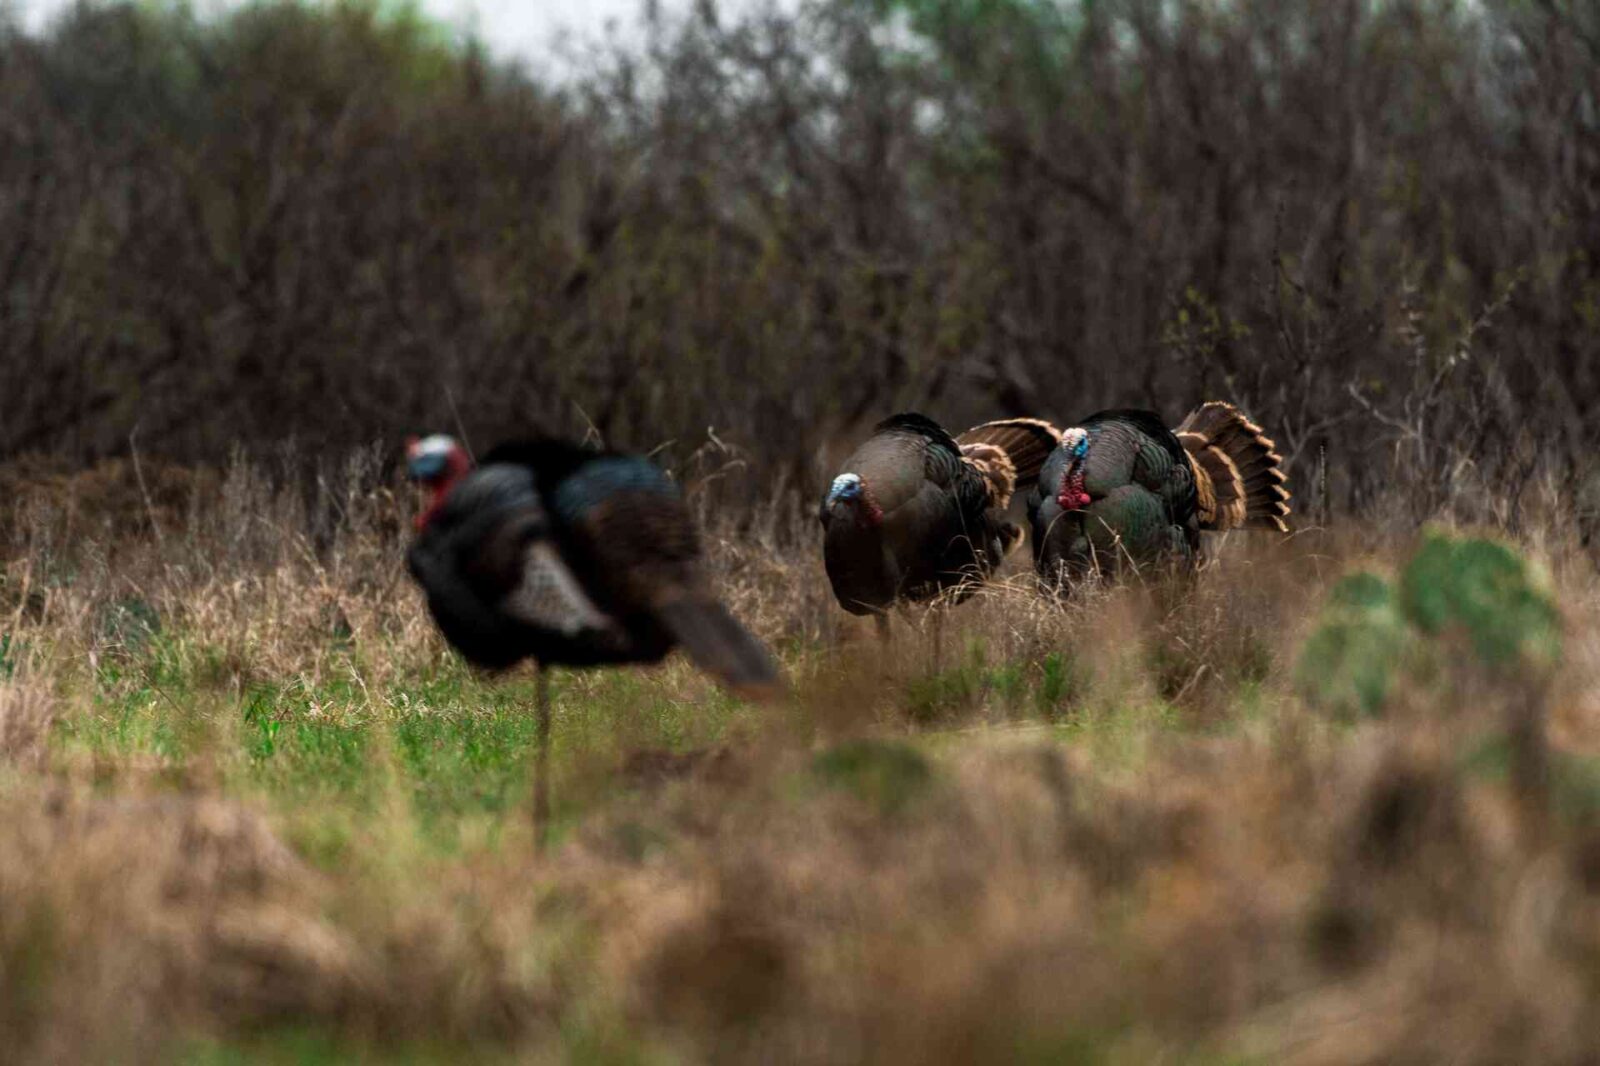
849	505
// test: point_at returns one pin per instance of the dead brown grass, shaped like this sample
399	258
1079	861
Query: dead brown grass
1176	858
1296	901
127	915
27	711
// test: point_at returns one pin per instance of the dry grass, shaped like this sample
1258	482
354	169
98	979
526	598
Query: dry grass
247	796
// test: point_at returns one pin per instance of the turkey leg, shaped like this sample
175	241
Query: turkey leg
541	757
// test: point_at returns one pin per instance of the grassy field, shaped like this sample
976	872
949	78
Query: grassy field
252	807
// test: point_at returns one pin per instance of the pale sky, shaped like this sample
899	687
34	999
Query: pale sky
522	28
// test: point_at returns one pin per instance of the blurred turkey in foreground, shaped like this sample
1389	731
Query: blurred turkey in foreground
916	512
570	557
1124	490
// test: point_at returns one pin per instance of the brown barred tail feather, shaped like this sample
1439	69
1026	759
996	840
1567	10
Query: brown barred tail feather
720	646
1238	476
1026	442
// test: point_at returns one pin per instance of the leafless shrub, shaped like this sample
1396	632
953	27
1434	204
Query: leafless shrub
785	225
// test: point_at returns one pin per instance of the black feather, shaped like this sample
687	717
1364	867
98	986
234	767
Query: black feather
1147	422
606	543
551	457
921	425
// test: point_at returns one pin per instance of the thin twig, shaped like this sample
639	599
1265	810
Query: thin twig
144	490
461	430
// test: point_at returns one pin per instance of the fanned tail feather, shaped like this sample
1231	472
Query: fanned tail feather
1026	442
1238	474
720	646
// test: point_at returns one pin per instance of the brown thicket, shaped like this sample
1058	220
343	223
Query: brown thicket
1376	226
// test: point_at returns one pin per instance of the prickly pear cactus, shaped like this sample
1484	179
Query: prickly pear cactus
1370	633
1349	663
1487	592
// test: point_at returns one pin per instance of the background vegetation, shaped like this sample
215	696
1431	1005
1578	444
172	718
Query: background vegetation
1335	801
1377	226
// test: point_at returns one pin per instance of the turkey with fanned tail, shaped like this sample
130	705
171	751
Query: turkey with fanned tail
1123	490
916	512
569	556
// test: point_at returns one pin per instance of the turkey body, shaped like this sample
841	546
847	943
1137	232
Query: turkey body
1141	503
1124	491
576	557
917	512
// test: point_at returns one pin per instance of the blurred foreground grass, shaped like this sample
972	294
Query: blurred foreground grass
251	809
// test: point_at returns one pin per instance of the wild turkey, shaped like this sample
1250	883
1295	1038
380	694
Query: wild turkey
1123	489
569	556
916	512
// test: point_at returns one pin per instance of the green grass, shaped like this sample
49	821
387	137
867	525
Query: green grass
429	758
455	748
1014	688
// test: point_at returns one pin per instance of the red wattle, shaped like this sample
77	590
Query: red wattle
1073	501
440	491
1073	496
427	514
867	511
